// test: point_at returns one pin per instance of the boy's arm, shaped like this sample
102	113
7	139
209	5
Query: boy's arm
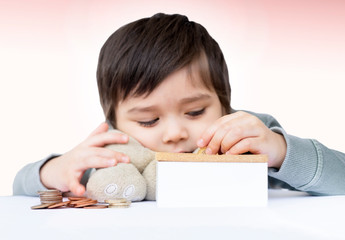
308	166
66	172
311	167
27	181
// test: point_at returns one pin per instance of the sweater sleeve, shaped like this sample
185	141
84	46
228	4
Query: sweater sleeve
27	181
308	166
311	167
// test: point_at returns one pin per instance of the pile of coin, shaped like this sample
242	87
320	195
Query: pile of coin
118	203
50	196
81	202
53	199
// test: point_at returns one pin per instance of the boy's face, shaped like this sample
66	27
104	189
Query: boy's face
173	116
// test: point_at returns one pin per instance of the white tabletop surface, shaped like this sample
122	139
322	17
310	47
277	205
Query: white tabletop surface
288	215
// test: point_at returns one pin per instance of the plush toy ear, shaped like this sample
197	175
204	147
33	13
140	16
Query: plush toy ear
139	156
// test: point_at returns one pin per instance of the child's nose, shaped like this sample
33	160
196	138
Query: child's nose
174	132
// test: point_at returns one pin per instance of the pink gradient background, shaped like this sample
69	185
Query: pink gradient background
286	58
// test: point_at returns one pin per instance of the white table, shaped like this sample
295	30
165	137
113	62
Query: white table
288	215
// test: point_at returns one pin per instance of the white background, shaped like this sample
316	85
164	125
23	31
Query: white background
285	58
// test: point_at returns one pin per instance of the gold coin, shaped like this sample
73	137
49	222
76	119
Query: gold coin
118	206
96	207
117	200
201	150
126	204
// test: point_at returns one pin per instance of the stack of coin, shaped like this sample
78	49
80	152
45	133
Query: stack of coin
58	205
50	196
118	203
81	202
73	202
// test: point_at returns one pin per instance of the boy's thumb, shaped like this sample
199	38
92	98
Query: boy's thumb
77	189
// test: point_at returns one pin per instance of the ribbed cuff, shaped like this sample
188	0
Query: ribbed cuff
302	164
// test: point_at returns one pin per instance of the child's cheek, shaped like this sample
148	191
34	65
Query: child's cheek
148	139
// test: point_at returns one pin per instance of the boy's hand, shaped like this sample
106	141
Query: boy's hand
65	172
242	132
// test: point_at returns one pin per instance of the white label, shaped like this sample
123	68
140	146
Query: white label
211	184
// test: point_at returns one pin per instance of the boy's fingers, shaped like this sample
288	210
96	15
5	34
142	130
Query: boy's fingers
215	143
207	136
236	135
105	138
76	188
111	154
103	127
123	159
227	131
245	145
106	153
100	162
215	135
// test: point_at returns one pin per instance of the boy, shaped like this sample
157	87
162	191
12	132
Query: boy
164	81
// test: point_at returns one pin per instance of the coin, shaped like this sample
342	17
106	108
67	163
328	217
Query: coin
116	200
60	204
92	202
81	201
119	205
50	202
96	207
76	198
201	151
49	191
41	206
50	196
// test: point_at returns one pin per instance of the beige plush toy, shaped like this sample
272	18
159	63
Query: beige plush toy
134	181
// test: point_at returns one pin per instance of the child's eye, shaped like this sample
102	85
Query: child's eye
148	123
196	113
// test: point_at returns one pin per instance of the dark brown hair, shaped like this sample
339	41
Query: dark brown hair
140	55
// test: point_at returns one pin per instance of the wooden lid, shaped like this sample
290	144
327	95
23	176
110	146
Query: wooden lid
191	157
